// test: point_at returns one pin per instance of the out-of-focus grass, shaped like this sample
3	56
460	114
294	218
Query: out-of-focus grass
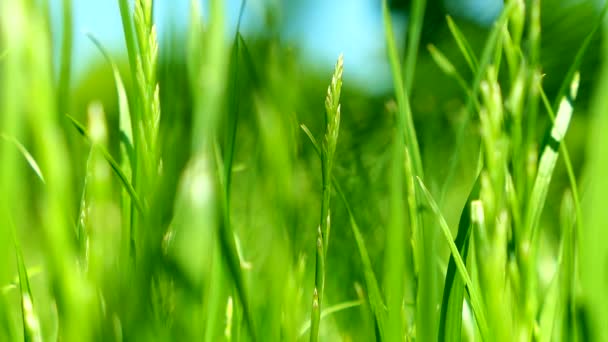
176	195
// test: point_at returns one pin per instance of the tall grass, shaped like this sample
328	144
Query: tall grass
213	209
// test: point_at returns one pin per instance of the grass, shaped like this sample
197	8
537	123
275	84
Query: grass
223	195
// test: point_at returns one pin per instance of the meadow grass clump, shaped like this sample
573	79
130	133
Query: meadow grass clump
201	203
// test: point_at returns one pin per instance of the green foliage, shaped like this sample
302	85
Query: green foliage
191	194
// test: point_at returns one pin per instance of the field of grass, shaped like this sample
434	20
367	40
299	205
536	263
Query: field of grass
209	189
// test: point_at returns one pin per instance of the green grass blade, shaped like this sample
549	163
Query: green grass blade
317	297
547	163
65	70
127	26
374	294
580	53
127	159
460	265
248	59
463	45
405	120
553	323
395	248
373	290
549	309
26	154
115	166
233	114
593	253
448	68
416	20
486	59
123	101
31	325
14	285
450	322
567	162
329	311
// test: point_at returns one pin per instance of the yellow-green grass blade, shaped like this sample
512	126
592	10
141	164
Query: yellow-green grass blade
127	26
463	45
395	264
405	120
65	68
553	323
248	60
115	166
568	163
547	163
414	30
569	271
127	156
449	69
373	289
580	54
330	311
318	291
123	101
26	154
474	295
14	285
593	252
487	57
450	322
233	114
208	74
31	324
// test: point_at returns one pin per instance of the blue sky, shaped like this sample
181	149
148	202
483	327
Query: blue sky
322	30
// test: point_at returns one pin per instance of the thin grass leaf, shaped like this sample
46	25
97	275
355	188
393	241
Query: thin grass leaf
591	317
127	26
405	120
248	59
463	45
395	248
31	272
476	302
555	303
26	154
549	308
567	162
31	325
416	20
317	297
209	79
373	290
449	69
65	68
329	311
312	139
480	72
547	163
567	325
115	166
233	115
450	322
123	101
128	158
580	54
328	149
